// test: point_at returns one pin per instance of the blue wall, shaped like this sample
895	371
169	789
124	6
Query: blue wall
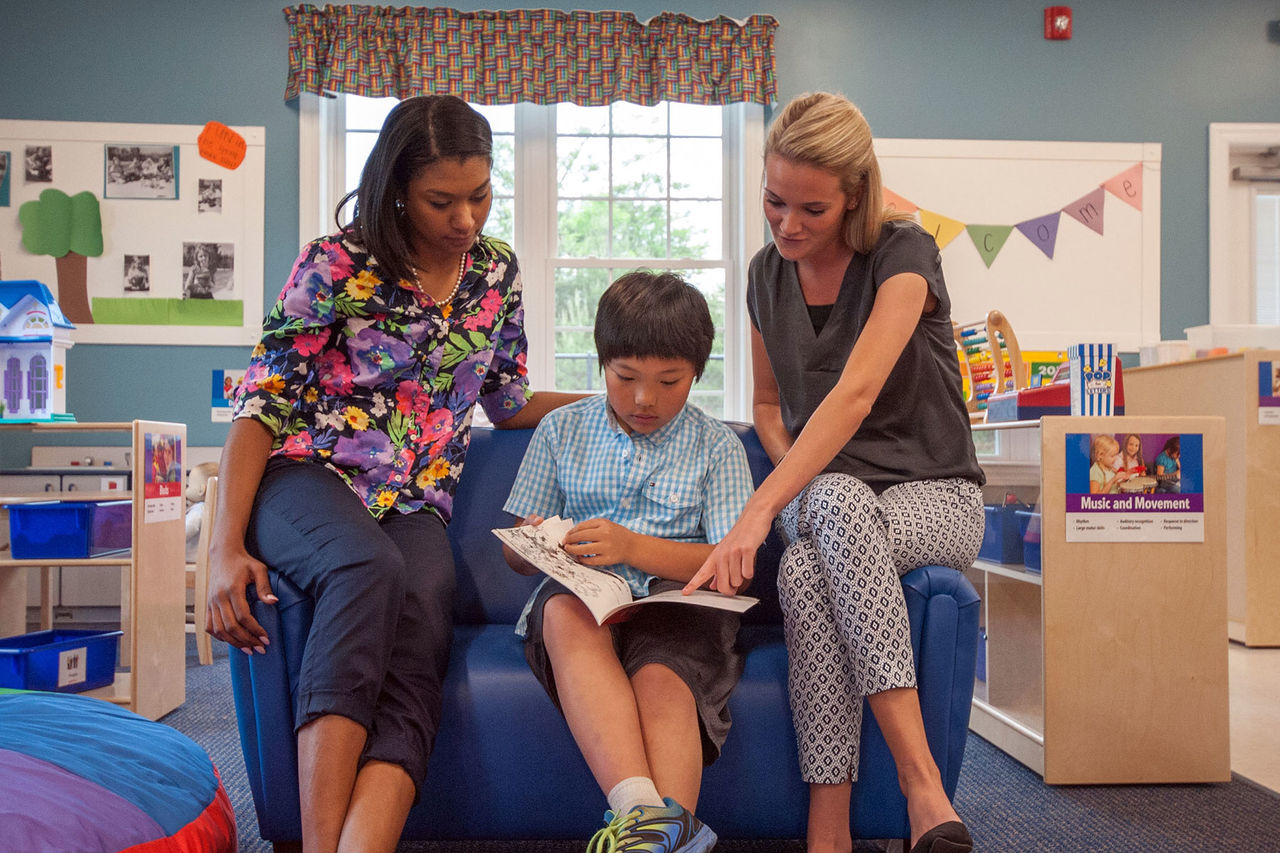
1135	71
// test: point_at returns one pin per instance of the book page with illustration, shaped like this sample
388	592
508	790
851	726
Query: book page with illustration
605	593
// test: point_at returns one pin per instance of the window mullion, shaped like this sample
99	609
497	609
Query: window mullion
743	234
322	157
535	236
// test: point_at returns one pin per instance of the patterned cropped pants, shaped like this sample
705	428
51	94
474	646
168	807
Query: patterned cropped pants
843	609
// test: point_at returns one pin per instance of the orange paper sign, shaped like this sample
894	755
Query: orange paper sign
221	144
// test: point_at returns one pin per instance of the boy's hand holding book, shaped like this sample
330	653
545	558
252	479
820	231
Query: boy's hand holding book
600	542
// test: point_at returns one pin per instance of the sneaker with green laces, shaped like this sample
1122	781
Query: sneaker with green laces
668	828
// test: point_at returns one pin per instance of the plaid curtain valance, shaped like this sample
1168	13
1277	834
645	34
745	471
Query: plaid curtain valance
539	55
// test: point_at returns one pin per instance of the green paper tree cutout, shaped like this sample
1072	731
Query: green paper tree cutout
68	228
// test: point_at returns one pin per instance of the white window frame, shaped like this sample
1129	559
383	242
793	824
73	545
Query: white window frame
321	165
1232	245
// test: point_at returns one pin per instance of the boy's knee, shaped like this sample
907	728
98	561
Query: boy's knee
658	682
565	617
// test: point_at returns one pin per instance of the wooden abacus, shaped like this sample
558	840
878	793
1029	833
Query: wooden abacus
988	349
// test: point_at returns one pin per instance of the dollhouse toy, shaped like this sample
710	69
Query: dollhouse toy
34	339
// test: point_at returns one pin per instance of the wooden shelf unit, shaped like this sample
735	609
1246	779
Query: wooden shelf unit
1110	665
151	679
1228	386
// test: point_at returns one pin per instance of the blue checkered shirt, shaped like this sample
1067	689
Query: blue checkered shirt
688	481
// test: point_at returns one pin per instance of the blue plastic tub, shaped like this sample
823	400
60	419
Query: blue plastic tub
1002	538
1030	524
62	660
69	529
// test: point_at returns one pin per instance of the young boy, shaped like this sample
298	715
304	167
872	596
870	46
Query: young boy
652	483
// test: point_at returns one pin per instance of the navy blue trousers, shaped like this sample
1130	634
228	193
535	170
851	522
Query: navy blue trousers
383	592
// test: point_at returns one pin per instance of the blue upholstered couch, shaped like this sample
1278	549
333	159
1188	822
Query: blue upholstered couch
505	765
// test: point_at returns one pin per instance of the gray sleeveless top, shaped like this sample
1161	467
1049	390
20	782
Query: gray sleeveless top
918	428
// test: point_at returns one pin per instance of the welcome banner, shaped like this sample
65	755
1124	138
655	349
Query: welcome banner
1042	231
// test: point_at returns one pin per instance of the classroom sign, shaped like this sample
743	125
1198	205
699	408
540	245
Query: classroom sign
1135	487
162	468
224	387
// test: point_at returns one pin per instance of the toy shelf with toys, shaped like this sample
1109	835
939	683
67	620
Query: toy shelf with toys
1103	663
147	536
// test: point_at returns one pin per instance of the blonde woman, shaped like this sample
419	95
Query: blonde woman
857	402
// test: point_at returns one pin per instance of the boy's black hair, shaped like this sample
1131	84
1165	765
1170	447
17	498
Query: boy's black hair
417	132
647	314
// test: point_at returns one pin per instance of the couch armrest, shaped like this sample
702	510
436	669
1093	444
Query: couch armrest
263	687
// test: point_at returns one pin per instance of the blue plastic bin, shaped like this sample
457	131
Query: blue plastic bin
69	529
62	660
1002	538
1030	539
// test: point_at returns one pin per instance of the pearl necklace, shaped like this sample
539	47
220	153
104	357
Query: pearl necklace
462	272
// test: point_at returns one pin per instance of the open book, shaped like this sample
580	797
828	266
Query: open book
606	594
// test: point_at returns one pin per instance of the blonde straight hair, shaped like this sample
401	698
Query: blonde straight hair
827	131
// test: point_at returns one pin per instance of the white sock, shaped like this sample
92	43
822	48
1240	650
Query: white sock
631	792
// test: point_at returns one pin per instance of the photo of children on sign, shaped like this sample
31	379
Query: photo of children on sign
162	477
1135	487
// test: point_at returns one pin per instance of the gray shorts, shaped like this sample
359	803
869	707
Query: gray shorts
698	644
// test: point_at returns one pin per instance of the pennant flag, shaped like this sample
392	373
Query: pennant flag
1042	231
897	202
944	230
1087	210
989	239
1127	186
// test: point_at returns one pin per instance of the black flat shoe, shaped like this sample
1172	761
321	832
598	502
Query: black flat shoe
949	837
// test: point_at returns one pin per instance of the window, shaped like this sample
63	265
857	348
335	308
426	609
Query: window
38	384
13	384
585	194
1266	230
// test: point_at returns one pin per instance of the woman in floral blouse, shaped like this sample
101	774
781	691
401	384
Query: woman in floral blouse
350	431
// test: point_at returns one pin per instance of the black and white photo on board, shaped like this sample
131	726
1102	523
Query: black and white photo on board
208	270
209	195
137	273
141	171
39	164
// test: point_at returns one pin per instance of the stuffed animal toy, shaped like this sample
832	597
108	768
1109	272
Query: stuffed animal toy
196	482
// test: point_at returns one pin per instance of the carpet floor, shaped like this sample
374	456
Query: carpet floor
1006	806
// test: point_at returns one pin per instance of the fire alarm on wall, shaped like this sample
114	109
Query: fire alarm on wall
1057	22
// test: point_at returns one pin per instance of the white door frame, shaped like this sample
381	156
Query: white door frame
1231	274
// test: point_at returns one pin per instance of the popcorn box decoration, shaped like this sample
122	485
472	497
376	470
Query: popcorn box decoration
1093	386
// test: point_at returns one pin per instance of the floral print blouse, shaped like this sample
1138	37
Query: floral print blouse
377	382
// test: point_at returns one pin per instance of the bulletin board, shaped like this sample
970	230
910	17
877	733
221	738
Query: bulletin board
1062	237
181	251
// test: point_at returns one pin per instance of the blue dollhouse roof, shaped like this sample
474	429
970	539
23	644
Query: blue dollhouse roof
12	292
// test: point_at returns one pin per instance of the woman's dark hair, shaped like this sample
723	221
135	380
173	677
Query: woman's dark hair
417	132
647	314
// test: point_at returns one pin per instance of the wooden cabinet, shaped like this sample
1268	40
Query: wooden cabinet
1230	386
1110	664
150	679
